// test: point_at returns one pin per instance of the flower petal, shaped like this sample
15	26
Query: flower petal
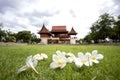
35	63
78	63
70	59
37	57
87	53
95	61
22	69
63	54
29	60
44	55
71	55
94	52
53	65
55	57
100	56
80	55
86	57
87	63
63	65
58	52
90	63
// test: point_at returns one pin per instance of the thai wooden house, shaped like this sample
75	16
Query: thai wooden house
58	35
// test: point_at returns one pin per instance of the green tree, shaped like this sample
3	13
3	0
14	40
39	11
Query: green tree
102	27
2	33
10	36
116	30
94	34
87	38
24	36
34	38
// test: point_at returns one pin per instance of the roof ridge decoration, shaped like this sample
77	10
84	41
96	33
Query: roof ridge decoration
44	30
72	32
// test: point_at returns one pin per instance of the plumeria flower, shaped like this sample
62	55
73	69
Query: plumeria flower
30	63
58	62
71	57
40	56
95	57
82	60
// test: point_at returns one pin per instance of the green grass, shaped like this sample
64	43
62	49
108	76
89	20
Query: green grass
13	57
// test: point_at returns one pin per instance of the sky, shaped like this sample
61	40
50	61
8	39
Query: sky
30	15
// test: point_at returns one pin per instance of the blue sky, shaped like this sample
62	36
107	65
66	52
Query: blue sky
18	15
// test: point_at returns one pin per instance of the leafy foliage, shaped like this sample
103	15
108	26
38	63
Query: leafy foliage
105	27
24	36
2	33
116	29
34	38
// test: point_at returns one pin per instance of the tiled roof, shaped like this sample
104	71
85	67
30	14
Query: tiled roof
43	30
72	32
59	29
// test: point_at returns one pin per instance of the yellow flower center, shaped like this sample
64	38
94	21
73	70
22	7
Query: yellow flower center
84	60
93	58
59	62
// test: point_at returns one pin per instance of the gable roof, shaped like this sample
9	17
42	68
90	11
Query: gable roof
59	29
43	30
72	32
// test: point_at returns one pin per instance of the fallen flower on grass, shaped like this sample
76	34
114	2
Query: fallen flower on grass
81	60
30	63
95	57
58	62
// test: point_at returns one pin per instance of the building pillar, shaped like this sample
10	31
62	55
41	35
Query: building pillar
72	41
44	40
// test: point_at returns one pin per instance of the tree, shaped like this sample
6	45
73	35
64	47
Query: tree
88	38
94	34
102	27
24	36
34	38
116	30
10	36
2	33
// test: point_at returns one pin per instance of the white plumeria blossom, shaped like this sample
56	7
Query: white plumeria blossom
82	60
30	63
58	62
40	56
95	57
71	57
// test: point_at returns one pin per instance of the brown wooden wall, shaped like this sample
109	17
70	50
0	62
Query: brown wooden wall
44	35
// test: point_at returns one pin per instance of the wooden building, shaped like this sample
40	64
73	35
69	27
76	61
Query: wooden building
58	35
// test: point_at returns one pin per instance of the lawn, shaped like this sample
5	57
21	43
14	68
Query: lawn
13	57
